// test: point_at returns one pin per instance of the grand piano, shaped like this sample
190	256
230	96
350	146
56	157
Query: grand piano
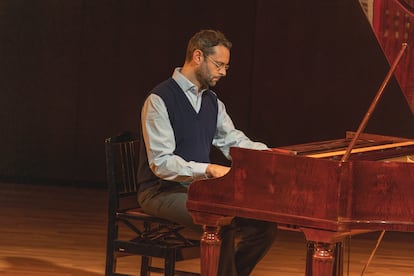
321	188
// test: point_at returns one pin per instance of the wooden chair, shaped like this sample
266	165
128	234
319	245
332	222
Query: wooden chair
146	235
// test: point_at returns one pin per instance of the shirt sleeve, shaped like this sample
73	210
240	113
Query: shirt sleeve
228	136
160	145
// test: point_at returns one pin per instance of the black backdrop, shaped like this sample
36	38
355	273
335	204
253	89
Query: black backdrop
74	72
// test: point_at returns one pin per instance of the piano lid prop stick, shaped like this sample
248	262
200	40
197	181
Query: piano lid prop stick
374	103
363	124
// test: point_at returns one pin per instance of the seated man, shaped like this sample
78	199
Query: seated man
180	121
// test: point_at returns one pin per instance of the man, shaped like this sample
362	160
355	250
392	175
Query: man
181	119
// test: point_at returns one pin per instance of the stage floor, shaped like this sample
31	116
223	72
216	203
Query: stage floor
49	230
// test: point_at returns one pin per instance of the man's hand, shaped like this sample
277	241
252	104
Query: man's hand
214	170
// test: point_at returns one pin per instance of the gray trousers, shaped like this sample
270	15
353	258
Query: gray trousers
236	259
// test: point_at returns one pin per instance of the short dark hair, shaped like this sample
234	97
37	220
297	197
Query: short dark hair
205	40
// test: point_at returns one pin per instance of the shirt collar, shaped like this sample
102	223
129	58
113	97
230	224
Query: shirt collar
184	83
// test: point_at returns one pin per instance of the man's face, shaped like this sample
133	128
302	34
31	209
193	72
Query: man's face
214	67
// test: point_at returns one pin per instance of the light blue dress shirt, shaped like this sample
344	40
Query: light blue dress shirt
160	142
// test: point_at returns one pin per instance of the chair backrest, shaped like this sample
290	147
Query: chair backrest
122	153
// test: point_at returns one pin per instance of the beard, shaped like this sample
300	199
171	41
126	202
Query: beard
205	78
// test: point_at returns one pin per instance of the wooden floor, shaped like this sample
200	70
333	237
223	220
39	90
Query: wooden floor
60	231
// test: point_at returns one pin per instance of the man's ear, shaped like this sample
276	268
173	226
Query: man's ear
198	56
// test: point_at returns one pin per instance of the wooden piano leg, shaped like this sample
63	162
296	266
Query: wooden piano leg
324	259
338	259
210	251
309	253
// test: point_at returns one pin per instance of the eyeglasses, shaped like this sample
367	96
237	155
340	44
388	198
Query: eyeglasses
219	65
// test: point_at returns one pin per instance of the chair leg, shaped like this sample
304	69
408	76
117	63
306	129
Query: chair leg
169	263
110	263
145	264
110	266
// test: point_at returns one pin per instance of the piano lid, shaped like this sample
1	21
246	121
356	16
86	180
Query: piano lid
393	24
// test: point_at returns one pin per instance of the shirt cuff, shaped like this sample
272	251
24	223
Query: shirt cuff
199	170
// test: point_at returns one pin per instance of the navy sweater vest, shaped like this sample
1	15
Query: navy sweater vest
193	132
